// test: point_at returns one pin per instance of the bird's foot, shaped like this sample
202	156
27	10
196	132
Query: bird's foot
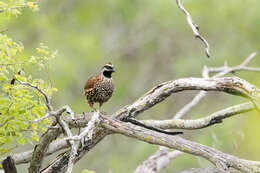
85	143
103	112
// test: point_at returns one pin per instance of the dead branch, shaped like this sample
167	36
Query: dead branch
50	135
156	161
194	27
231	85
82	120
212	119
221	160
163	160
47	98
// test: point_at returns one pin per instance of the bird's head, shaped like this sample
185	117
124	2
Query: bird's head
108	69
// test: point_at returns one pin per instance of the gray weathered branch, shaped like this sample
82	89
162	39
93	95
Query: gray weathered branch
221	160
230	85
50	135
82	120
203	170
47	98
157	161
212	119
151	164
194	27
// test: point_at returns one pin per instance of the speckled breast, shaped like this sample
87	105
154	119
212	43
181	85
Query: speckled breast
101	92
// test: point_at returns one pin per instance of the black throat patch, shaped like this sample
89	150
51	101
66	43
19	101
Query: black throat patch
107	74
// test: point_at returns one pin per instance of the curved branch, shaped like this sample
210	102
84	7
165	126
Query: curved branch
47	98
212	119
194	27
221	160
221	71
231	85
81	121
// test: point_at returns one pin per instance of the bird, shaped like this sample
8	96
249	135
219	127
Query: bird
100	88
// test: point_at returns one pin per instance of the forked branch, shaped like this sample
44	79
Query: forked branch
221	160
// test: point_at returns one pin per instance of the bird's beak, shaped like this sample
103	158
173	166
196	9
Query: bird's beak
113	70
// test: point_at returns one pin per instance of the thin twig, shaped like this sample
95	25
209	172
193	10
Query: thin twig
221	72
243	66
16	63
53	113
3	31
48	114
249	58
47	98
190	105
194	27
19	7
195	100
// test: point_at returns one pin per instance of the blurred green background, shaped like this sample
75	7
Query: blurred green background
148	42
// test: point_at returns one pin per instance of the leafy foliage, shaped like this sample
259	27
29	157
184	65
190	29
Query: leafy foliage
13	7
19	104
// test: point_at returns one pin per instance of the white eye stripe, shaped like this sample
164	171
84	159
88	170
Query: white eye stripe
109	66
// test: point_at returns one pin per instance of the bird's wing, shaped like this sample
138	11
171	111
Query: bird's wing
90	84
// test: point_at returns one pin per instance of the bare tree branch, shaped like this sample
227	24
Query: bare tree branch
221	160
74	145
41	148
47	98
81	121
221	72
8	64
248	59
231	85
195	100
26	157
88	131
163	160
157	161
44	142
212	119
203	170
190	105
18	7
243	66
194	27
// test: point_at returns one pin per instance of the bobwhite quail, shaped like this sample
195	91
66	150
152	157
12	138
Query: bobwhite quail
99	88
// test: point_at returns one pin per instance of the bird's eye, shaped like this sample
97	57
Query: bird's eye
108	67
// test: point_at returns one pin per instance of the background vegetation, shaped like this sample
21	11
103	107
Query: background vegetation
148	42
